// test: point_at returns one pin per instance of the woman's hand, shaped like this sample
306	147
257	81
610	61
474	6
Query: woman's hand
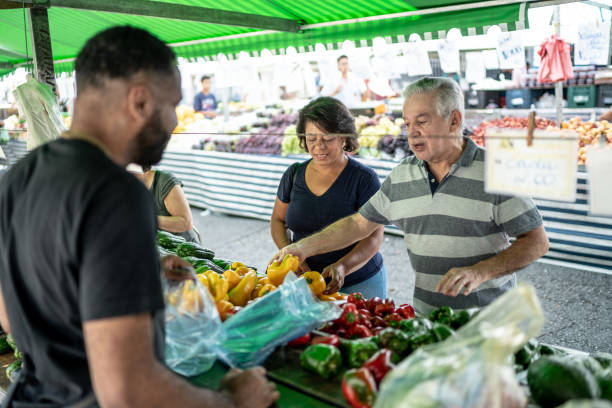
337	272
303	268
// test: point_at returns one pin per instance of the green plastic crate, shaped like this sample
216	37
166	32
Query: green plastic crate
581	97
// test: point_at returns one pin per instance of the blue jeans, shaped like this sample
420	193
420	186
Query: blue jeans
369	288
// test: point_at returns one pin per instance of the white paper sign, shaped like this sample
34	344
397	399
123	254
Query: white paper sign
490	59
510	51
475	69
547	169
592	45
449	56
416	59
599	169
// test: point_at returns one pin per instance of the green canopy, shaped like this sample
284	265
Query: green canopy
69	28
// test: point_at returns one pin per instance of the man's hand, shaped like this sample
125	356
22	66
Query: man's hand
292	249
338	89
176	268
457	279
249	388
337	272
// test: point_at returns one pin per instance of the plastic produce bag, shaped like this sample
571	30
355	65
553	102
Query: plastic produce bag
193	326
38	104
289	311
471	369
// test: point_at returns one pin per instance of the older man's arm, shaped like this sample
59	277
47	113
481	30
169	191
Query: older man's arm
524	250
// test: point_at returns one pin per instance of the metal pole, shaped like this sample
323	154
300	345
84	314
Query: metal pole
41	46
558	85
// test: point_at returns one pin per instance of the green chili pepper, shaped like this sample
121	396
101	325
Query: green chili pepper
322	359
356	352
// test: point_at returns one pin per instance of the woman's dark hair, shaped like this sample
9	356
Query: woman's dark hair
331	116
120	52
146	168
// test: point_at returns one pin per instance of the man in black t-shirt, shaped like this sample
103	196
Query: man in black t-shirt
79	271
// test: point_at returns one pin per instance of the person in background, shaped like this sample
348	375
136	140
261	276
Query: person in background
324	189
81	289
205	101
457	234
171	205
345	85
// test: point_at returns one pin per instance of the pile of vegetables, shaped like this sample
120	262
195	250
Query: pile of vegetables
231	284
369	338
7	345
269	140
589	132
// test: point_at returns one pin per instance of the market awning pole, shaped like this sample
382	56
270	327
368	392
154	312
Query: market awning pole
559	84
41	46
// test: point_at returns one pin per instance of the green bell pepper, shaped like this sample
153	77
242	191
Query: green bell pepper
442	315
528	353
412	326
441	331
395	340
322	359
356	352
421	338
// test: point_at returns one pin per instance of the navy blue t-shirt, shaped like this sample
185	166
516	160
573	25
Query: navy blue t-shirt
203	103
308	213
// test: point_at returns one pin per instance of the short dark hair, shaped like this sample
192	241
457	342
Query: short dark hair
340	57
120	52
331	116
204	77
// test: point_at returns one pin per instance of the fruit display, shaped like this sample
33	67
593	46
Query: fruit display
589	132
269	140
508	122
371	131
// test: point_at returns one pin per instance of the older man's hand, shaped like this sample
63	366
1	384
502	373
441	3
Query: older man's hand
292	249
458	279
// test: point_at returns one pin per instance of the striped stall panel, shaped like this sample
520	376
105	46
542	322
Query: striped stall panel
242	184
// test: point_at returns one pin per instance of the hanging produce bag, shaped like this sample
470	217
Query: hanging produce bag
472	368
193	326
274	319
38	104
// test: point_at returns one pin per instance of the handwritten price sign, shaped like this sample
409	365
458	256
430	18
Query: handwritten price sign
546	169
510	51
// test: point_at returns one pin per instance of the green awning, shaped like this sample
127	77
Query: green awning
70	28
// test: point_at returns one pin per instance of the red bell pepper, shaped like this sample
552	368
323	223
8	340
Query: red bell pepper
378	321
377	330
332	340
371	303
393	319
358	331
385	307
380	364
329	327
406	311
341	332
359	387
364	319
357	299
233	311
349	316
300	341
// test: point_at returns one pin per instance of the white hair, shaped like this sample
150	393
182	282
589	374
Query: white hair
449	96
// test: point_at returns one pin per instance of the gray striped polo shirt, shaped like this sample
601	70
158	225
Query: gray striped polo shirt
459	225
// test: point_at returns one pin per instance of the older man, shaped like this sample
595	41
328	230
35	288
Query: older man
457	234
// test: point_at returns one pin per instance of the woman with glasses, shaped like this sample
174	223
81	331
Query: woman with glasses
329	186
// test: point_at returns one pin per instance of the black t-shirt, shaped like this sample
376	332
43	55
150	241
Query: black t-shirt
308	213
77	243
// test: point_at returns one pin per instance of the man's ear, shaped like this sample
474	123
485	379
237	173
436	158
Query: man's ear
455	122
140	104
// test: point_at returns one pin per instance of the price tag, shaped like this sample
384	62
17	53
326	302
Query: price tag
475	69
547	169
599	169
510	51
449	56
592	45
416	59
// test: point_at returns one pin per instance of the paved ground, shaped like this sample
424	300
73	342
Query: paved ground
577	304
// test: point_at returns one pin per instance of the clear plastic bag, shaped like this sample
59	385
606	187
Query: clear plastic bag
38	104
288	312
471	369
193	326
